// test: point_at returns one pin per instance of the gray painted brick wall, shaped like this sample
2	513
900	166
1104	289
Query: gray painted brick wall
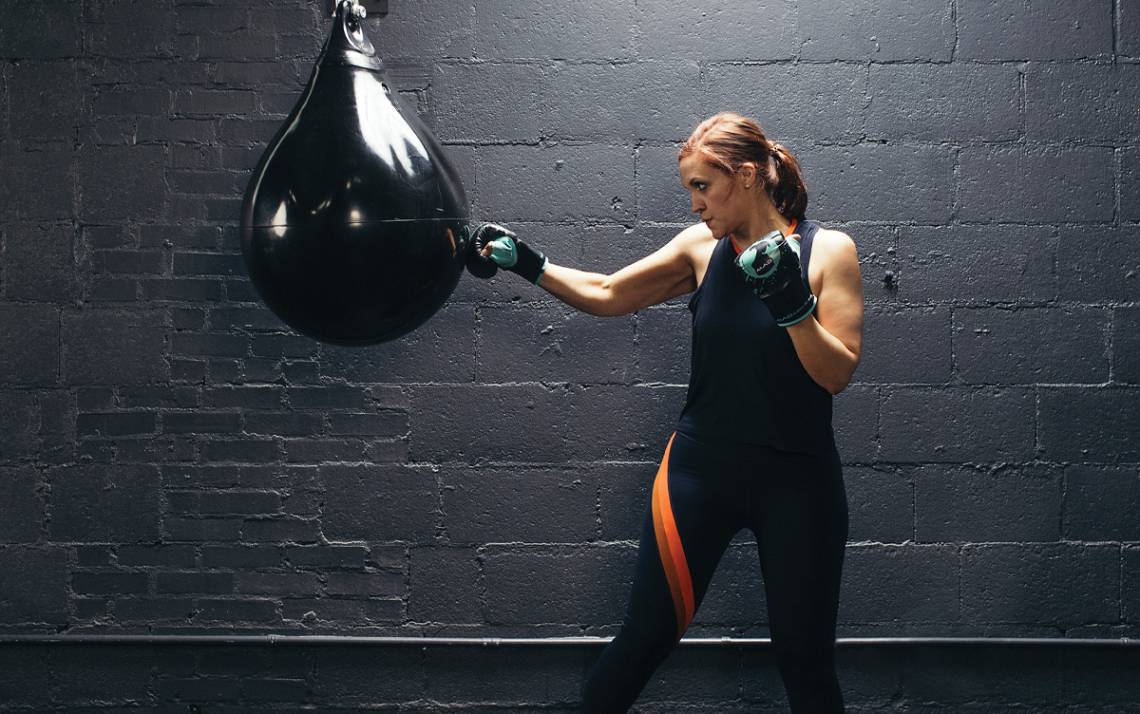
175	460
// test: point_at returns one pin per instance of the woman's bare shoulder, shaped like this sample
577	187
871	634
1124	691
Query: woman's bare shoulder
832	238
697	232
834	244
693	237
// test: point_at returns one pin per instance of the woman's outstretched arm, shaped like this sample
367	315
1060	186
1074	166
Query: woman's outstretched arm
664	274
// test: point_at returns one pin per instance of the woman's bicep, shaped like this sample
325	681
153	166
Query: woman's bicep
659	276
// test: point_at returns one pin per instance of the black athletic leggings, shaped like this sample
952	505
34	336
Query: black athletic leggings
705	492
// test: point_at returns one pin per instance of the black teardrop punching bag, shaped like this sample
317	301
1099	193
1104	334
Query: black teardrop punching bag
354	223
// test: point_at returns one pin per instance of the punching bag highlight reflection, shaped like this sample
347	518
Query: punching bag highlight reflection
354	224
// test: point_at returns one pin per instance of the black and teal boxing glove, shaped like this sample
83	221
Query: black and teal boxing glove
508	252
771	267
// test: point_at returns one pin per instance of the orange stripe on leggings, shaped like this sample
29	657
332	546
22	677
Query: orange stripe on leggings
669	547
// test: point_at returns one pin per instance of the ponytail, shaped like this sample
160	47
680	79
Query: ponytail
788	191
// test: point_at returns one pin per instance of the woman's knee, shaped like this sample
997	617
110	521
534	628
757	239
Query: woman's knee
808	661
648	637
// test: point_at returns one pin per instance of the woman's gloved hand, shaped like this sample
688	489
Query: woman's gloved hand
771	267
503	247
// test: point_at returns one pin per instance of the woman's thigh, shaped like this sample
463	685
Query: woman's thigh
800	523
688	524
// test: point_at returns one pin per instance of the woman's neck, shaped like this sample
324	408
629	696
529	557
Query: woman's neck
759	224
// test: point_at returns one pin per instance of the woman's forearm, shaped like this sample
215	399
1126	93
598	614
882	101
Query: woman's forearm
577	288
825	358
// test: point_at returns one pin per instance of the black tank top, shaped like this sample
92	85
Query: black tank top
746	382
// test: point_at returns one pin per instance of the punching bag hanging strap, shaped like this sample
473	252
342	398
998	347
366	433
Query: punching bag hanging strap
375	8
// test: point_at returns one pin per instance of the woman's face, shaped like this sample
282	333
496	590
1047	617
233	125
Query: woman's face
713	194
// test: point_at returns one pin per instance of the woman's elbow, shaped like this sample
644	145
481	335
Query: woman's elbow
606	303
844	380
607	308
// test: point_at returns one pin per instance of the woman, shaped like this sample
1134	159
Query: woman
777	327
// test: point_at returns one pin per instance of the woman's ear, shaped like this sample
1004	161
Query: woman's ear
747	173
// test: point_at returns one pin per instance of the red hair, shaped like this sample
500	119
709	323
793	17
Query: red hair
727	140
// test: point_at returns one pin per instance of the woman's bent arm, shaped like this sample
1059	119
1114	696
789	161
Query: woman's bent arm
829	342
